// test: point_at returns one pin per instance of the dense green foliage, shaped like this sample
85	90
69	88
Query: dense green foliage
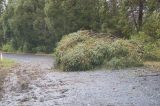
152	26
124	53
37	25
8	48
24	26
85	50
151	46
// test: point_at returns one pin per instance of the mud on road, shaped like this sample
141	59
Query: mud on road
33	83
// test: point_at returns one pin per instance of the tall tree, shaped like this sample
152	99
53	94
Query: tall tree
140	16
2	7
65	16
25	20
37	25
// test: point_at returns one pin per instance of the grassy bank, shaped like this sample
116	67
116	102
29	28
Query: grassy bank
153	65
5	66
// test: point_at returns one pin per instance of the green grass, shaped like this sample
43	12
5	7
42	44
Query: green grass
6	63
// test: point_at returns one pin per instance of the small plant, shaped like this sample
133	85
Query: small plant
8	48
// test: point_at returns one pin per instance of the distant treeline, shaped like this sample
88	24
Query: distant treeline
37	25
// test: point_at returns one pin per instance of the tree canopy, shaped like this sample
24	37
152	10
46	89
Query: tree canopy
37	25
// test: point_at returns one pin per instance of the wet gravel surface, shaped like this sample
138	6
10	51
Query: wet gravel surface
34	84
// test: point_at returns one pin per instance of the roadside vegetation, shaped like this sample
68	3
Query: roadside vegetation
83	33
153	65
6	63
38	25
5	66
85	50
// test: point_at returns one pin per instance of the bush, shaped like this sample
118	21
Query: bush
152	26
152	51
84	50
124	53
8	48
39	49
80	51
150	46
142	38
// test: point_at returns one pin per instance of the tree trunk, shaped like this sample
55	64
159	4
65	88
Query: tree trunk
140	16
134	19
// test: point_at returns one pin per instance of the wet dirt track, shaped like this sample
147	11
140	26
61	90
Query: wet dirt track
34	84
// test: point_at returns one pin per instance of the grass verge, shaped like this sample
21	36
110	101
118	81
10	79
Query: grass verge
5	66
153	65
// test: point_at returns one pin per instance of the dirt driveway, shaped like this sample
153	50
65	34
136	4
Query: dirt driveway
33	83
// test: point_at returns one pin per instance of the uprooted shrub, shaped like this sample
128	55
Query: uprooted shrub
85	50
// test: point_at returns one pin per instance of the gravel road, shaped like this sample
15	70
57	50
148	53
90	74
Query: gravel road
33	83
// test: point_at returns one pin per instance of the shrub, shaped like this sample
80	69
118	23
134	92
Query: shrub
142	37
124	53
152	51
79	51
152	25
150	46
8	48
39	49
84	50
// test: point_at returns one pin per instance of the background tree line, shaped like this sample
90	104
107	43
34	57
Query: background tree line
37	25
